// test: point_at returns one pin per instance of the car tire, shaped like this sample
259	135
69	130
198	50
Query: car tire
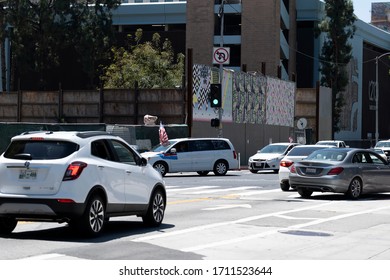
285	186
161	167
220	168
92	222
203	173
156	210
355	188
7	225
305	193
253	171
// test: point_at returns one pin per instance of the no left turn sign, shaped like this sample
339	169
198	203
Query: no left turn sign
221	55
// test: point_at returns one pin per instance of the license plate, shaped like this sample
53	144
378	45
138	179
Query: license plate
311	170
29	174
259	164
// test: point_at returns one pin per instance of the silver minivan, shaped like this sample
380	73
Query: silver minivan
200	155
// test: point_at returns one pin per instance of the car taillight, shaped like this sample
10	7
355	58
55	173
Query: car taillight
292	169
335	171
74	170
286	163
234	155
65	200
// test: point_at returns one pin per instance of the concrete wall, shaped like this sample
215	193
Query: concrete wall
246	138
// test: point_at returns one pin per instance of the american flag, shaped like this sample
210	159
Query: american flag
163	135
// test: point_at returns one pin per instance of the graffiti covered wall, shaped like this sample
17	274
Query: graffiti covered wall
246	98
280	102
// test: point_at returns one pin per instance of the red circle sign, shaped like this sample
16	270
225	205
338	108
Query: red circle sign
221	55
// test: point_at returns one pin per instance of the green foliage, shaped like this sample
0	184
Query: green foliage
47	32
151	64
336	51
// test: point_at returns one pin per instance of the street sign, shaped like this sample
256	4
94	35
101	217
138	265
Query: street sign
221	55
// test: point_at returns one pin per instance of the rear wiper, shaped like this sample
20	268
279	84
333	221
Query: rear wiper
23	156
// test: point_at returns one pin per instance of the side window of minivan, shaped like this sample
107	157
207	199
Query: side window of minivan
201	145
220	145
181	147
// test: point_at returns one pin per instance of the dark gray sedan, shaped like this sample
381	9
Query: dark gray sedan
341	170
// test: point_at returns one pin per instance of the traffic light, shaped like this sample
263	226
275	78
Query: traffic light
215	95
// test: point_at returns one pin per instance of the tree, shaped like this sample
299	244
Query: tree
150	64
336	52
52	38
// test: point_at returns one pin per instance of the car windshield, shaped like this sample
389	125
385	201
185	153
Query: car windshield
327	143
327	155
273	149
162	148
382	144
303	151
40	149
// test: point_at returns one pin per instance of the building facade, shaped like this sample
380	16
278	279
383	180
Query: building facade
274	37
380	15
358	120
260	34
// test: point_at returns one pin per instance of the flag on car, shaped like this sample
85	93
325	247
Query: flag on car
163	136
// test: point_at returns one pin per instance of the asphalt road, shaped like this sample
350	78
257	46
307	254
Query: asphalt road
240	216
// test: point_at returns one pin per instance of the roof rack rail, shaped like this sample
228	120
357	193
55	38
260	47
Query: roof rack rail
87	134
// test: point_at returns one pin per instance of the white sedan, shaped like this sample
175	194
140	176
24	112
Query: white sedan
268	158
296	154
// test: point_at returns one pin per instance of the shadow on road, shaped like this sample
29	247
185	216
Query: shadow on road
113	230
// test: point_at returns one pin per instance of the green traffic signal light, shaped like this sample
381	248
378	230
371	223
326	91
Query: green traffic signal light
215	95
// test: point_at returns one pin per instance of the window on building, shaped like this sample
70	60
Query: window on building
231	26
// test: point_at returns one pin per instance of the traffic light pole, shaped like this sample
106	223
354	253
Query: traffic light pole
220	110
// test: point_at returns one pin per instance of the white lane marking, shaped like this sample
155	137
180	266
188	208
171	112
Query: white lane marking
224	190
294	218
257	192
242	220
228	206
254	236
181	189
53	256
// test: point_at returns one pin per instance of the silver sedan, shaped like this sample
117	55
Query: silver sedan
341	170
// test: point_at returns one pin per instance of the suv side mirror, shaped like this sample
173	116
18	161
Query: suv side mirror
143	161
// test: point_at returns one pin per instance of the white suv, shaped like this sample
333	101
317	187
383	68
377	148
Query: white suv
82	178
200	155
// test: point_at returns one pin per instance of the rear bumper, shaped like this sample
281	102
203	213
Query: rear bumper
336	186
29	209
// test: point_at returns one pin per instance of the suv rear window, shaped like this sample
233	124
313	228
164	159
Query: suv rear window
40	149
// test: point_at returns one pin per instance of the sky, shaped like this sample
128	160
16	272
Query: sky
362	8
